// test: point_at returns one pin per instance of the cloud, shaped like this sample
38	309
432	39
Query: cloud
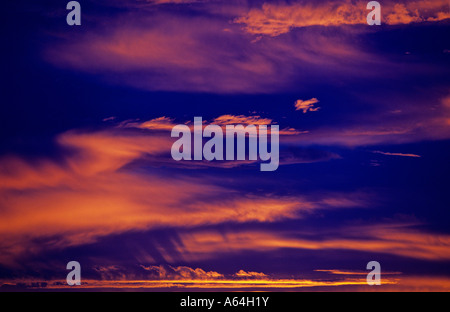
417	11
244	274
393	239
397	154
112	272
160	123
423	117
160	49
103	184
183	277
168	277
230	284
180	273
241	120
412	283
150	52
166	50
166	123
307	106
274	19
342	272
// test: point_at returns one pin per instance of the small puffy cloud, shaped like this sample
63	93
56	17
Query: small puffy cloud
180	273
253	275
307	106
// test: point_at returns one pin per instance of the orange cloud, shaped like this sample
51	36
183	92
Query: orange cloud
412	283
96	189
225	120
397	154
176	52
244	274
183	277
161	123
394	239
341	272
276	19
166	123
275	284
412	124
417	11
241	120
307	106
181	273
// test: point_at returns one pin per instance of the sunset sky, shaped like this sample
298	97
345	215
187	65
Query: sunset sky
86	172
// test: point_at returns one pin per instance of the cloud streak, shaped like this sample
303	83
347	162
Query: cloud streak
397	154
393	239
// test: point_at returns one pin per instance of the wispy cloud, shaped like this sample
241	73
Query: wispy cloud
413	124
149	51
241	120
396	154
160	123
102	185
166	123
342	272
393	239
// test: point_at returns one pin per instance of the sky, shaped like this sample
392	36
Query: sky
86	172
